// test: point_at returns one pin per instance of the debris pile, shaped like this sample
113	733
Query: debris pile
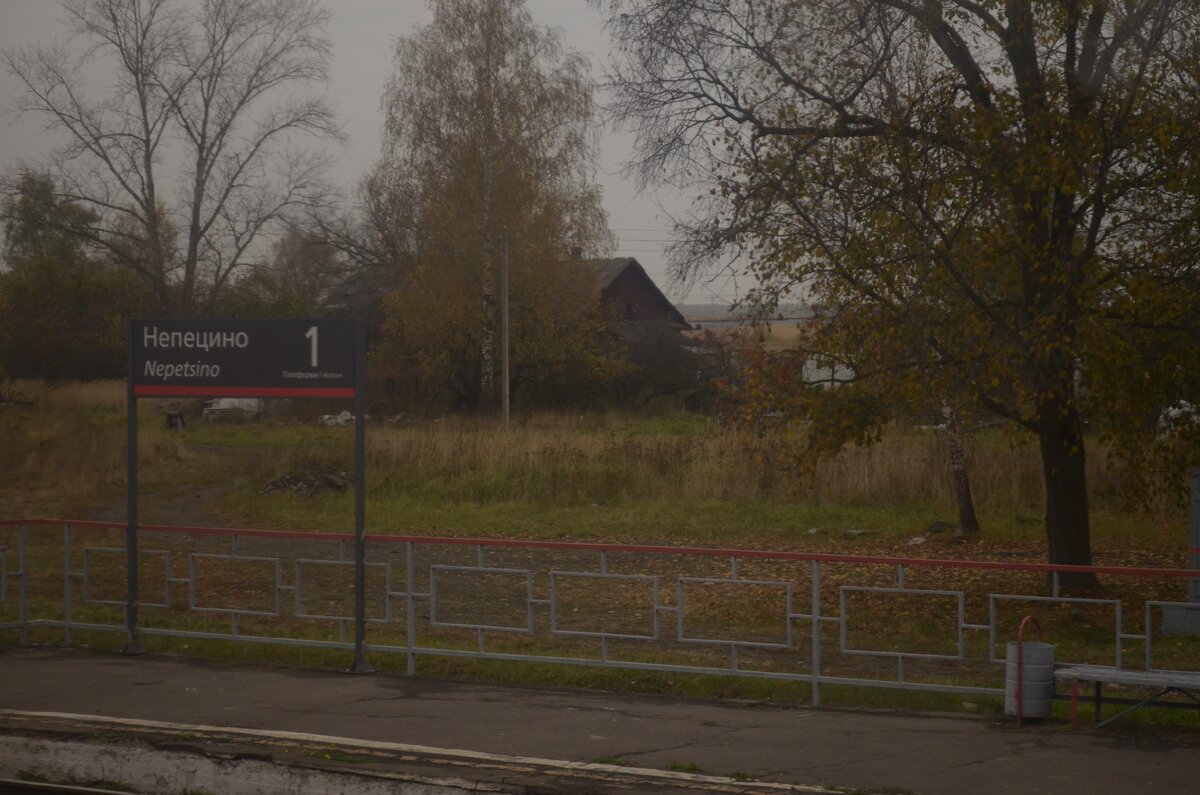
345	418
311	482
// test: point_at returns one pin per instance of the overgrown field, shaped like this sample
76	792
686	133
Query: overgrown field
671	478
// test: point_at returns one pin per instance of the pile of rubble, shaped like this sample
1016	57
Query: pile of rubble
310	482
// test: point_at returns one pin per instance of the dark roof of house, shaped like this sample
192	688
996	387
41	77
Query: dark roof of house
361	293
608	270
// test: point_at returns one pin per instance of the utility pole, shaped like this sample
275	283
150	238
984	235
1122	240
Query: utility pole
504	330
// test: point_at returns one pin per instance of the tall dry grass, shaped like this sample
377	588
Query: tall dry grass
564	459
570	459
63	446
913	465
67	450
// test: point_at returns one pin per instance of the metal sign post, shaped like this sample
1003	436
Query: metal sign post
360	666
313	358
132	643
1194	524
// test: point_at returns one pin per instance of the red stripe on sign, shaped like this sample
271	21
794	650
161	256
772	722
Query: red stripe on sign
156	390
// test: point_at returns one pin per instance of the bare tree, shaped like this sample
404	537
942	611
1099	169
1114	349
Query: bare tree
302	272
215	90
379	230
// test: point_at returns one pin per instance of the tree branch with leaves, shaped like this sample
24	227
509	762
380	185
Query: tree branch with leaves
985	182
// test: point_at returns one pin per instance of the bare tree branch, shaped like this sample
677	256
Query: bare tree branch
212	72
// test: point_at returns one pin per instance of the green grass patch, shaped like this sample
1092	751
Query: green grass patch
704	523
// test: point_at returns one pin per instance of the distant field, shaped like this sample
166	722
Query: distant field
779	335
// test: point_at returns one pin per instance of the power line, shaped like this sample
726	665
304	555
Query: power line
629	229
665	242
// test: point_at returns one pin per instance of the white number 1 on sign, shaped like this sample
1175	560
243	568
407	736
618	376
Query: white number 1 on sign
311	335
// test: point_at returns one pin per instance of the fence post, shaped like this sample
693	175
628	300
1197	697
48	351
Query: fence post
816	633
67	594
1194	522
1184	619
410	607
23	593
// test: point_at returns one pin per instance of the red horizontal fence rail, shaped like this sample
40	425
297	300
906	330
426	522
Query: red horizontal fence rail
649	549
812	566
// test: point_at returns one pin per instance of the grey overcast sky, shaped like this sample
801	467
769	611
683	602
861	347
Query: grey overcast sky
363	34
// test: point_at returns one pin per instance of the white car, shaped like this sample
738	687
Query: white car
232	407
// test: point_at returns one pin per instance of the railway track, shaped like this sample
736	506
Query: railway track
10	786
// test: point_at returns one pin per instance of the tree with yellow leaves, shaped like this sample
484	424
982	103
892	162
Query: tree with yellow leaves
997	202
489	152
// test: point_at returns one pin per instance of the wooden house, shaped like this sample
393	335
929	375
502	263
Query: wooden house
628	293
666	359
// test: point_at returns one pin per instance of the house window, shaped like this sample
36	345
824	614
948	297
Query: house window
629	310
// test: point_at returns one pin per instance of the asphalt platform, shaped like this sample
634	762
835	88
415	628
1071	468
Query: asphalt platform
174	725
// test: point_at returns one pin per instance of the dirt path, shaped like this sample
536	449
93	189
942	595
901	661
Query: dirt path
187	505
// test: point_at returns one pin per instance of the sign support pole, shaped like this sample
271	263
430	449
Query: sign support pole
250	358
1194	526
132	643
361	666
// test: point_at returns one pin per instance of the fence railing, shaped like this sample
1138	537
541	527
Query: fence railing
819	619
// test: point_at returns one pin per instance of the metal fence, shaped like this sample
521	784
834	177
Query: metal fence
818	619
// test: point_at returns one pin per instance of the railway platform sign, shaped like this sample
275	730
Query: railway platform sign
244	358
253	358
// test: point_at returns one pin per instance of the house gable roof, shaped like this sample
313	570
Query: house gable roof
608	271
362	292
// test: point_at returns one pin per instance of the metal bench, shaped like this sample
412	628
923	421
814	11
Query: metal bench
1185	683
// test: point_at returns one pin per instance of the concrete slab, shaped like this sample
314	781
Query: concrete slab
926	754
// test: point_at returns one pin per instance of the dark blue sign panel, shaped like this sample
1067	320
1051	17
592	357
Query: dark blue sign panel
244	358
